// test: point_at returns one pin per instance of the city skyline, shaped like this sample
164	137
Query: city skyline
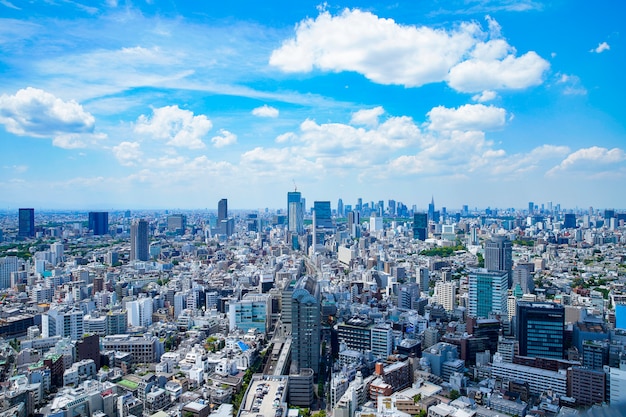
156	106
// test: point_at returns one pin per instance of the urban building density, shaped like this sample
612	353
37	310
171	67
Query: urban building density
258	312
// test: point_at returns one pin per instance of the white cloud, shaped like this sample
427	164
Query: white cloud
367	117
485	96
571	84
37	113
128	153
18	169
382	50
388	53
265	111
603	46
593	161
180	128
509	73
225	138
466	117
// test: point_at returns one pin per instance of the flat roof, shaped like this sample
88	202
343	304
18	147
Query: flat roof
262	397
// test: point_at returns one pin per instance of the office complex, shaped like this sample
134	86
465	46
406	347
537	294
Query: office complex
139	245
488	293
499	256
99	222
26	222
540	329
305	321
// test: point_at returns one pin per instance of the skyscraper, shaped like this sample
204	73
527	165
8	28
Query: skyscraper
569	221
26	222
540	329
499	256
305	321
340	208
139	245
323	214
295	214
222	210
531	207
99	222
488	293
420	226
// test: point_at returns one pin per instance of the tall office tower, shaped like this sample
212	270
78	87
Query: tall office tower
99	222
531	207
177	223
305	322
222	210
295	214
540	329
424	279
359	205
609	214
499	256
26	222
391	204
139	246
569	221
488	293
381	208
8	265
420	226
323	214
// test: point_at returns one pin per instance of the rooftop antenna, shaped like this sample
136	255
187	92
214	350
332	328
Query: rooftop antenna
294	185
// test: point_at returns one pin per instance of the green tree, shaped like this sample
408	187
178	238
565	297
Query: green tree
454	394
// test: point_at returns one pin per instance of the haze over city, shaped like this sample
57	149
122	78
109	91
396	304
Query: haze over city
176	105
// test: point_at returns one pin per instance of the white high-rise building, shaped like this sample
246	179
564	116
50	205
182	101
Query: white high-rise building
62	321
139	312
57	252
8	264
446	294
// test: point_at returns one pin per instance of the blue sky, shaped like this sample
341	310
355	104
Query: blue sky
158	104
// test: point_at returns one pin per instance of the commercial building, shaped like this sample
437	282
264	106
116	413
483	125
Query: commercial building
139	245
540	329
99	222
488	293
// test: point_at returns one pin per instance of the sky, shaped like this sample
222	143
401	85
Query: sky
177	104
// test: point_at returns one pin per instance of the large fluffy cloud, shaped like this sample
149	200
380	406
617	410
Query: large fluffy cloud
593	161
225	138
467	117
388	53
37	113
180	128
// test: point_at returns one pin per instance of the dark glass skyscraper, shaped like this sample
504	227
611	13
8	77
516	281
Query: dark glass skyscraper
540	329
569	221
323	214
99	222
222	210
26	222
420	226
139	250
